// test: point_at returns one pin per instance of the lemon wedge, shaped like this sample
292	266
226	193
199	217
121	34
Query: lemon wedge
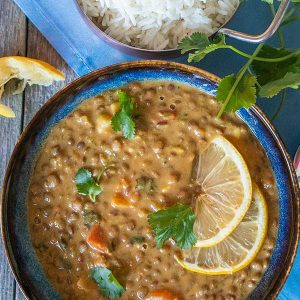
6	111
225	192
29	70
235	252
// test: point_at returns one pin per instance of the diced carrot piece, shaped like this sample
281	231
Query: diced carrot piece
120	200
97	239
162	295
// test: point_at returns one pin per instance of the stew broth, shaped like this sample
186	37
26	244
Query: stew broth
152	171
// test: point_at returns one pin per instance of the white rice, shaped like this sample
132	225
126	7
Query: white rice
158	24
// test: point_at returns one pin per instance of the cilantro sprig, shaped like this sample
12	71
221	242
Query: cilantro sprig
107	283
86	185
175	222
123	119
267	72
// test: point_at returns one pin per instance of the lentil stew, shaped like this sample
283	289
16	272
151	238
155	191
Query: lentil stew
128	179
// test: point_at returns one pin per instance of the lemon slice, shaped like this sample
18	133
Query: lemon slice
225	192
31	71
237	250
6	111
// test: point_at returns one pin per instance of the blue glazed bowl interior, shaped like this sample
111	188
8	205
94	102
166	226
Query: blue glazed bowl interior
16	232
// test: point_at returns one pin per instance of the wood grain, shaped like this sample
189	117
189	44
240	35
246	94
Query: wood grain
13	42
36	96
18	294
21	39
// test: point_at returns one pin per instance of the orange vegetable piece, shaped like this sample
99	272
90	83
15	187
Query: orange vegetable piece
162	294
97	239
120	200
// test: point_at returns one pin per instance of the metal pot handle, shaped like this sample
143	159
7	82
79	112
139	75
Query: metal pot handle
265	35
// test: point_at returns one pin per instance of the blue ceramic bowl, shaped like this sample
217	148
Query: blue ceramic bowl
15	231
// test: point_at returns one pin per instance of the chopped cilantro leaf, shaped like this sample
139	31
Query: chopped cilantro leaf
123	122
123	119
107	283
86	185
175	222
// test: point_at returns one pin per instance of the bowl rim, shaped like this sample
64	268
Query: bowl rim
164	65
138	50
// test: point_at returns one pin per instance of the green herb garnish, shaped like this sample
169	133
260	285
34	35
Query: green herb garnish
244	94
103	170
201	44
90	218
175	222
267	72
123	119
107	283
86	185
145	184
138	239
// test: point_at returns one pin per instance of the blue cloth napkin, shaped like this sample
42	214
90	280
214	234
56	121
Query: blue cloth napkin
61	22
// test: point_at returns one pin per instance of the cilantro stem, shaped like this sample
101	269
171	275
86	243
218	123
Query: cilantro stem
271	60
289	13
279	32
281	42
290	20
238	79
287	16
253	57
283	95
103	170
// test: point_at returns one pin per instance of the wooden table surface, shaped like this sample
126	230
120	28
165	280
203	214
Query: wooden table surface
20	37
